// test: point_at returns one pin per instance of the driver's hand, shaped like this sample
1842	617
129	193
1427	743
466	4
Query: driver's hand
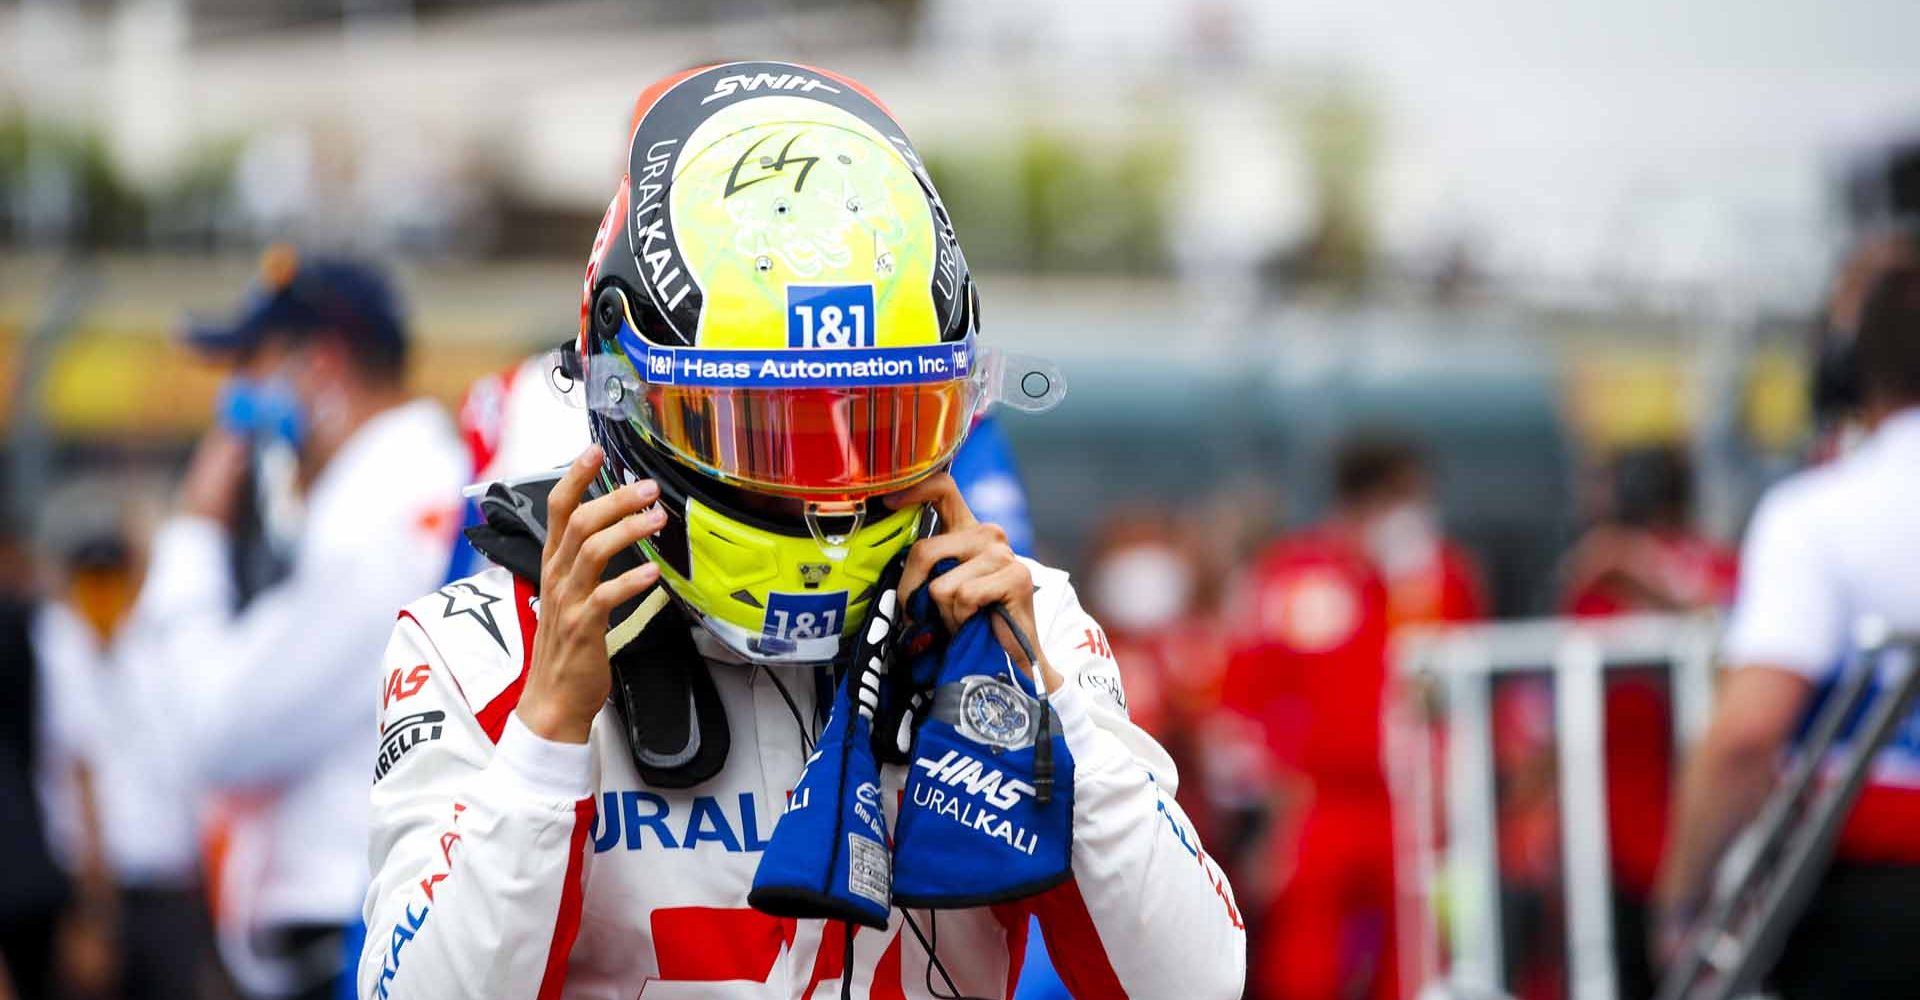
569	678
988	572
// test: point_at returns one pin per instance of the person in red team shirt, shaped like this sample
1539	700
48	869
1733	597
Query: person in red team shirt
1162	630
1646	556
1311	672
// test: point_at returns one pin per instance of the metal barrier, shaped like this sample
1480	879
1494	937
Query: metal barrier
1449	676
1790	843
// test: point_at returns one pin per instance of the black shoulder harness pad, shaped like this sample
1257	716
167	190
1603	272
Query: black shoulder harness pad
663	689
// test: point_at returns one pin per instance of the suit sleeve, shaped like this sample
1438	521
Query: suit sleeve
1148	913
478	850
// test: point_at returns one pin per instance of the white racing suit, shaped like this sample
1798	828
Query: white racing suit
510	866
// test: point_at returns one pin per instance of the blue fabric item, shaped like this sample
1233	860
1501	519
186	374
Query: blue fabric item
980	823
261	407
1038	980
465	560
828	858
346	986
990	481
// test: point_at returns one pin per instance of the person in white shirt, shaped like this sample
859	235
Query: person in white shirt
262	670
1827	547
128	805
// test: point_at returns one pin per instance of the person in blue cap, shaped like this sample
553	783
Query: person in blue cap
320	501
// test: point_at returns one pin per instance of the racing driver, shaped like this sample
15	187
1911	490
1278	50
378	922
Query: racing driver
584	750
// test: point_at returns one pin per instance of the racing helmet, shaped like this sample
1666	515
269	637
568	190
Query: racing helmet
778	327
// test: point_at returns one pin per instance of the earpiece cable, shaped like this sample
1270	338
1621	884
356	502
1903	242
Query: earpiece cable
1043	740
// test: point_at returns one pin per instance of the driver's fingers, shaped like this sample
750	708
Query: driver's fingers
944	495
565	496
998	584
961	545
947	589
591	562
617	591
597	515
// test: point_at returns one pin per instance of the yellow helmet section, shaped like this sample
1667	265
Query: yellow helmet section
785	191
763	583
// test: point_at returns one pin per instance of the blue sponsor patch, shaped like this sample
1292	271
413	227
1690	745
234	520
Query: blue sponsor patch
818	367
832	316
805	616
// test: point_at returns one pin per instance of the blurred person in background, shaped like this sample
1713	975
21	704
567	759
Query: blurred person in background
17	574
53	925
158	944
56	913
1384	489
35	889
1143	586
264	671
1826	547
1311	672
1147	586
1836	379
1649	555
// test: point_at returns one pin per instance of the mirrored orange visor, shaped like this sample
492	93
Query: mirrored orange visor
833	423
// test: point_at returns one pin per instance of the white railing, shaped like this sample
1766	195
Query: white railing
1446	678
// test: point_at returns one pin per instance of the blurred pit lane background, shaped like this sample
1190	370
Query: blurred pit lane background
1241	226
1532	236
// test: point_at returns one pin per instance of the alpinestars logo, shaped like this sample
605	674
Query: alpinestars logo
405	733
726	85
464	598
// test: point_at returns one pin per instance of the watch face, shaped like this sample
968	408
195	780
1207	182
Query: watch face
995	713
